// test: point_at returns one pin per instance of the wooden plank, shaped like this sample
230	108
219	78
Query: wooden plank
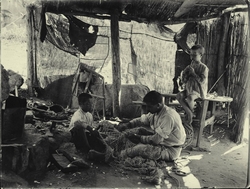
138	102
88	82
74	88
212	114
166	99
236	8
83	67
219	98
210	121
202	121
169	95
98	96
116	65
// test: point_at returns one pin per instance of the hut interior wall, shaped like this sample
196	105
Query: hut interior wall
238	72
155	62
208	35
154	66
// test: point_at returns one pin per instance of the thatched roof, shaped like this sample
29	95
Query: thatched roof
161	12
147	11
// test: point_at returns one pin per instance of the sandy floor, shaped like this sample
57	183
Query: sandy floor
225	166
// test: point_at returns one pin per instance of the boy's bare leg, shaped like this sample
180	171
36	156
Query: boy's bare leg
181	97
80	139
190	116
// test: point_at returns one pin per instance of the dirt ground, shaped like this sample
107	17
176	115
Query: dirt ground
224	166
221	164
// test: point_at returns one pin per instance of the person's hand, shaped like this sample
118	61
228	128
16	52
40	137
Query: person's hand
144	131
191	69
134	138
92	131
89	128
95	133
122	126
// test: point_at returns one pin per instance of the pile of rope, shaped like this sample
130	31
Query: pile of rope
115	139
149	169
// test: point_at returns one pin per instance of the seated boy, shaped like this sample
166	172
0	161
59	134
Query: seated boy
83	134
195	80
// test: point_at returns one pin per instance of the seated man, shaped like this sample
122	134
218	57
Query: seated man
195	80
169	134
83	134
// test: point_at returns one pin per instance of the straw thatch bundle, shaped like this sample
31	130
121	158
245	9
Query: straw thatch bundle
238	72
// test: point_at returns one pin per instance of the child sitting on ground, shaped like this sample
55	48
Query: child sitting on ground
83	134
195	80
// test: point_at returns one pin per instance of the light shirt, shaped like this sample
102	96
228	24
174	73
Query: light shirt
196	83
167	126
85	118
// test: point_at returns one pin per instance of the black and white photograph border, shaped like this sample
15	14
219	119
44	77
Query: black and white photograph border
118	51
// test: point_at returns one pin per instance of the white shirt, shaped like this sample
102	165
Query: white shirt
167	125
85	118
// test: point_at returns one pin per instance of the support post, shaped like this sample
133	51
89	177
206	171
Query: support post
37	43
247	96
221	56
30	57
116	65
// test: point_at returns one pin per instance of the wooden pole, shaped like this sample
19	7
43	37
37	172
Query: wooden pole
103	94
30	58
37	43
247	96
116	65
221	55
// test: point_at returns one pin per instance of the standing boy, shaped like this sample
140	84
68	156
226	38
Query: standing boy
195	80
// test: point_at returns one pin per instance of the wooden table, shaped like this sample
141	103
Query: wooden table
210	120
203	121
